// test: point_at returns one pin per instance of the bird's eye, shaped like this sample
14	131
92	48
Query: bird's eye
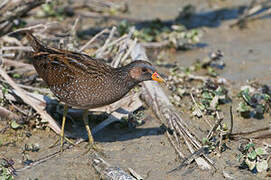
144	70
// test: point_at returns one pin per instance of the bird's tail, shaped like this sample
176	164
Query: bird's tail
34	42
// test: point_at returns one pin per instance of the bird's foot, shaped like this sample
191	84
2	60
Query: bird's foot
93	147
61	143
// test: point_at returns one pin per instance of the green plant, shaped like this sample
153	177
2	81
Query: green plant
6	169
253	158
254	103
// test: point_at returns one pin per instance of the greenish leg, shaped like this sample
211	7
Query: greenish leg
63	126
62	137
90	137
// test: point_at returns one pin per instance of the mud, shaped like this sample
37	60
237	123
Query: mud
145	149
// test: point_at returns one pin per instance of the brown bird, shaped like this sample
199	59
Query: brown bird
84	82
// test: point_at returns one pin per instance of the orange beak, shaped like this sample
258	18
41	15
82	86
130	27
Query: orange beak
155	76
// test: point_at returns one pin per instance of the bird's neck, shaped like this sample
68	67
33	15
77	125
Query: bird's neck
123	78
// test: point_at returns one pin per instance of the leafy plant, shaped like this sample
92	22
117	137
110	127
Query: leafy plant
253	158
157	31
254	103
7	171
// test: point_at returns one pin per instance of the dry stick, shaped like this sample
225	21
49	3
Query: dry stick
135	174
221	132
214	127
15	10
44	115
176	145
4	113
99	53
93	39
18	64
108	171
231	114
1	53
155	44
9	55
122	49
73	30
192	140
188	159
119	40
197	106
157	99
3	3
43	27
133	44
21	48
42	90
252	9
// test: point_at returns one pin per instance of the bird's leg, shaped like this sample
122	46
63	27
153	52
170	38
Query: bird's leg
90	137
62	137
63	126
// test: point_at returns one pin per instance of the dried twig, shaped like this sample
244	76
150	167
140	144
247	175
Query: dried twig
44	115
198	109
100	52
135	174
218	122
157	99
122	49
108	171
122	38
6	114
20	48
254	11
93	39
13	10
231	127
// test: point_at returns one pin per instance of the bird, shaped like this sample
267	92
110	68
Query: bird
84	82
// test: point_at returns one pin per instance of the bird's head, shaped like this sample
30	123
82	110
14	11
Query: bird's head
142	71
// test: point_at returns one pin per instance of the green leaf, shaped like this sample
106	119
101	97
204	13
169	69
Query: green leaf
249	145
266	97
246	96
206	95
251	164
260	151
243	107
16	75
14	125
212	72
252	155
4	90
205	140
239	157
262	166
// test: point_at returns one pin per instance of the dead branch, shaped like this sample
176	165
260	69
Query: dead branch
155	97
123	47
198	109
21	93
15	9
256	10
103	48
6	114
93	39
108	171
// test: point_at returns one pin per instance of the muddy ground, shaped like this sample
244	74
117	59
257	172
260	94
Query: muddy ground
145	149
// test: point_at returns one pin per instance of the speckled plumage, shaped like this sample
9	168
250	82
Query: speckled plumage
82	81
